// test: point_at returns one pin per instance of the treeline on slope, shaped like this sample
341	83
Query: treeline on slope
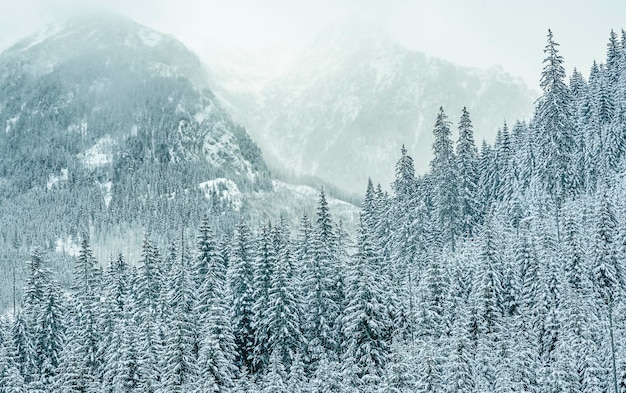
499	270
157	198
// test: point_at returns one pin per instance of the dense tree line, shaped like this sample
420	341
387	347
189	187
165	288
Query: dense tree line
500	270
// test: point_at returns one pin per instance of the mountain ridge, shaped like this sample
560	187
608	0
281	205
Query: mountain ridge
350	103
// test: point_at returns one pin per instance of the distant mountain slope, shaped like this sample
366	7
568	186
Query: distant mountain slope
353	98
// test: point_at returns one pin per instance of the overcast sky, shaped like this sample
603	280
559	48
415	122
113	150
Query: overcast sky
478	33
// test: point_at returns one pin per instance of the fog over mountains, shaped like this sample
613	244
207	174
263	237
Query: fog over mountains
343	107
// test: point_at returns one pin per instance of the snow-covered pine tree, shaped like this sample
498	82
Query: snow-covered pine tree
149	281
241	281
459	369
444	171
297	381
21	345
275	379
615	127
208	262
179	367
50	331
43	317
11	380
366	318
37	279
80	364
150	324
217	354
607	272
116	286
264	265
556	132
284	315
321	308
123	371
467	162
504	154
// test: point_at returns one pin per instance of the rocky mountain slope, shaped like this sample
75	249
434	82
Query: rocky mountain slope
101	91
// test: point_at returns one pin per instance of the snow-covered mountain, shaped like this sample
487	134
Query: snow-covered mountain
354	96
108	129
102	86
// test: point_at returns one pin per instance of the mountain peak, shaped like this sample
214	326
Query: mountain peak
92	28
106	38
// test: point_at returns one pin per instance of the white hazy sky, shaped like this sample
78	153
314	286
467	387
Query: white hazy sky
479	33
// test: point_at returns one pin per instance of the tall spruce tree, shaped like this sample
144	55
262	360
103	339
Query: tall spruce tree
80	363
468	178
264	265
217	351
179	366
366	318
556	131
444	171
241	282
284	315
321	307
404	242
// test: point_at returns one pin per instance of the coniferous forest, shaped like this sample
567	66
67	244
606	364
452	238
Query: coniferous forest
502	269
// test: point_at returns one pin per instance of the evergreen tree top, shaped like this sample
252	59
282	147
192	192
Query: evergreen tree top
553	75
404	183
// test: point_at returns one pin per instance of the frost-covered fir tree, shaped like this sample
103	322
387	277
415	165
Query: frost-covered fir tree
555	131
275	379
241	282
264	265
607	272
284	315
445	187
216	362
150	324
321	308
149	280
399	373
36	282
459	368
80	364
50	332
208	266
466	154
116	287
366	318
11	380
21	345
179	366
123	371
217	353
